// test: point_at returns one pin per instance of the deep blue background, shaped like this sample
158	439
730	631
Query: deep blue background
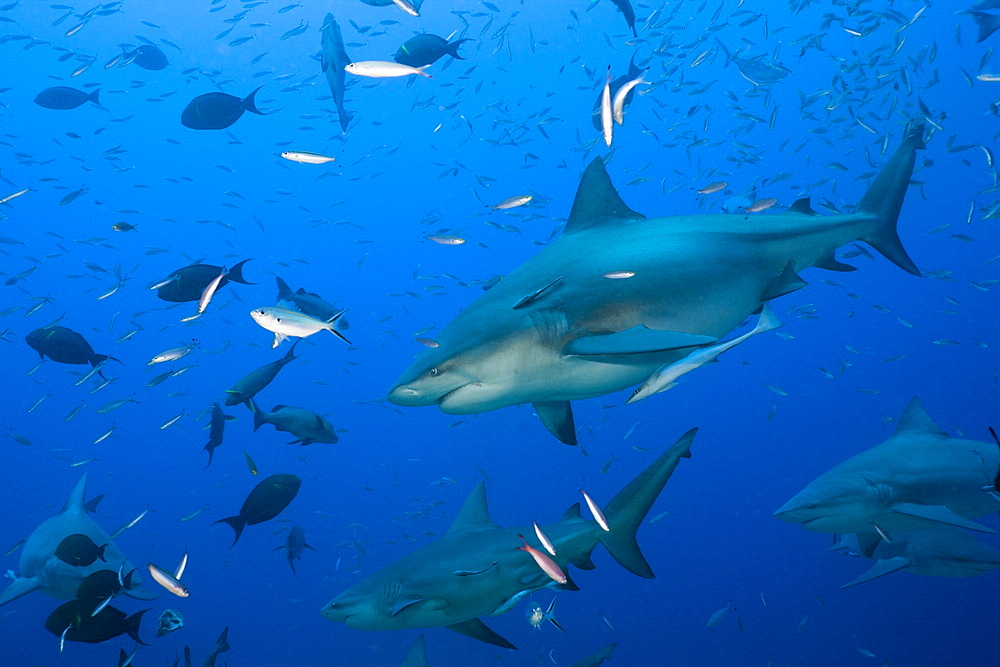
354	232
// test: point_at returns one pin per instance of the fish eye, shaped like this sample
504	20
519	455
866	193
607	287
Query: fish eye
811	506
433	372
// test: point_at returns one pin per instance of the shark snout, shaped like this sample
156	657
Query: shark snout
409	396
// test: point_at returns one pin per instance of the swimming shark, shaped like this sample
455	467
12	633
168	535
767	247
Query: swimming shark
759	70
42	571
920	478
938	552
477	569
617	296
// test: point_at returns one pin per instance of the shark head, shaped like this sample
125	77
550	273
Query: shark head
354	608
826	506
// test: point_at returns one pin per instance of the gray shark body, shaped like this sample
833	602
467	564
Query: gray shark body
918	479
42	571
476	569
565	325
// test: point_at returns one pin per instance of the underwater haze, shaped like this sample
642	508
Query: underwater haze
390	198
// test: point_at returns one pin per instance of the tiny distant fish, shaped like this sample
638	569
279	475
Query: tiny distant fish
428	342
619	275
717	616
762	205
446	239
510	202
305	157
384	69
713	187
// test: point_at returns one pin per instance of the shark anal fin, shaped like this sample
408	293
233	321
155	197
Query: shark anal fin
831	263
476	629
787	282
557	416
880	569
939	514
637	340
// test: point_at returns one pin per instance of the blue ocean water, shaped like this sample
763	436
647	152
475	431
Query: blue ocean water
421	158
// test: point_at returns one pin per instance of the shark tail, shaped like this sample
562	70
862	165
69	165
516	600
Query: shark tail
237	523
628	509
235	274
132	625
884	200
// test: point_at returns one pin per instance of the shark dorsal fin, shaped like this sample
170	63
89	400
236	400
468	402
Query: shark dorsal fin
573	513
803	206
597	202
76	504
475	514
916	420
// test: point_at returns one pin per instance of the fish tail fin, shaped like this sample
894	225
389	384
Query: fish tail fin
452	48
100	549
235	274
767	320
237	523
222	643
421	72
249	103
345	118
95	96
290	355
132	625
211	453
884	200
90	507
259	418
333	329
284	291
729	56
628	509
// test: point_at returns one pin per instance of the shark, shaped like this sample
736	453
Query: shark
918	479
42	571
937	552
617	296
476	569
759	70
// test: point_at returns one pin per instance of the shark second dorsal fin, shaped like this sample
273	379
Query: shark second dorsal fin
76	504
597	202
573	513
916	420
803	205
475	514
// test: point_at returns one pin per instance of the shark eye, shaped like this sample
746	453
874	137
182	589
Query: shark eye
811	506
434	372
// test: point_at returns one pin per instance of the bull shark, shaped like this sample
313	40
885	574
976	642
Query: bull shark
476	569
918	479
759	70
617	296
42	571
938	552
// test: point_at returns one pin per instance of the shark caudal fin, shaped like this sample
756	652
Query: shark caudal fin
884	200
627	510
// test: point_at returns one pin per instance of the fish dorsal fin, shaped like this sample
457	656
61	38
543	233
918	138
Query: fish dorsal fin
573	513
475	514
803	205
75	504
597	202
916	420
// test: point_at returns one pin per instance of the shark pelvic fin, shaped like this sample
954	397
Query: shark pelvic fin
597	202
787	282
76	503
916	420
880	569
637	340
939	514
557	416
478	630
475	513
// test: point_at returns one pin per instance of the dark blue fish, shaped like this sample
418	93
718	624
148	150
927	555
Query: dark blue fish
79	550
334	60
266	501
73	621
427	49
188	283
216	428
64	346
64	97
294	546
148	57
217	111
625	7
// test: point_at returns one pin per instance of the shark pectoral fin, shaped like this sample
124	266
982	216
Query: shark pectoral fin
939	514
867	543
20	587
880	569
424	604
787	282
557	416
637	340
478	630
570	585
140	593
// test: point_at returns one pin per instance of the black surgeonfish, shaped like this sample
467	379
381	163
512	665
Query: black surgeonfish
64	346
427	49
217	111
334	60
267	500
79	550
64	97
188	283
74	619
100	585
148	57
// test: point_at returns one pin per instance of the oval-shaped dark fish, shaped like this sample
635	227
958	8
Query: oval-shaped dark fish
189	283
100	585
427	49
79	550
110	623
63	345
149	57
64	97
217	111
267	500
